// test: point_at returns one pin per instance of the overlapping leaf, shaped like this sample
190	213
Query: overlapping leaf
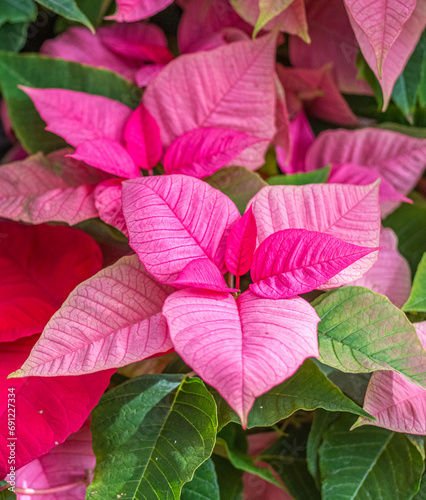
175	219
296	261
350	213
243	346
110	320
160	428
417	299
134	10
230	87
48	410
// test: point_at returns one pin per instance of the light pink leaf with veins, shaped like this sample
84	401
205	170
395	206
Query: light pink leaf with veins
241	244
202	273
110	320
49	411
108	203
202	151
142	138
107	155
390	275
396	403
398	158
230	87
296	261
351	173
242	347
398	54
174	219
381	21
64	464
53	188
135	10
350	213
79	117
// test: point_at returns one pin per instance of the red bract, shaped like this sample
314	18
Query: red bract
40	265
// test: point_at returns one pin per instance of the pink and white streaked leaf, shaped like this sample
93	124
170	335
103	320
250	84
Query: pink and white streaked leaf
398	54
110	320
282	139
399	159
135	10
39	267
296	261
64	464
231	87
79	117
390	275
53	188
107	155
242	347
142	138
202	151
381	21
350	213
316	90
108	204
396	403
175	219
332	41
241	245
202	273
49	411
302	138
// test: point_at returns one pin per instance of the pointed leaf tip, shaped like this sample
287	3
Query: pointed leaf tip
241	244
296	261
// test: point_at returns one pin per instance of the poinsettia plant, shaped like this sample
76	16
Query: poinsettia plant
212	249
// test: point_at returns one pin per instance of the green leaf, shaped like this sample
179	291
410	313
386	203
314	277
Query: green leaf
204	485
315	177
307	390
95	10
229	478
228	440
322	421
409	224
417	300
361	331
13	36
7	495
422	85
268	9
368	463
237	183
421	495
404	93
292	470
35	70
418	132
17	11
67	9
150	434
366	73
